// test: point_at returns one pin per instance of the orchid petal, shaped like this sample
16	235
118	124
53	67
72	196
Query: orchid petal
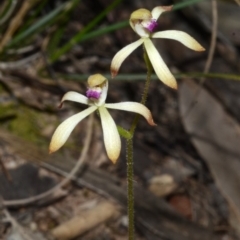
111	136
159	65
103	96
122	55
133	107
75	97
157	11
180	36
141	30
63	131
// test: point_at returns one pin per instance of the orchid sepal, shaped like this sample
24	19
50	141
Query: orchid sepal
159	65
63	131
133	107
75	97
181	37
122	55
157	11
111	136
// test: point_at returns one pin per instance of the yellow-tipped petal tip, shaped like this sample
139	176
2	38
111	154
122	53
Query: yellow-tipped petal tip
151	122
114	72
196	46
174	86
164	8
113	160
168	8
113	156
172	83
201	49
52	148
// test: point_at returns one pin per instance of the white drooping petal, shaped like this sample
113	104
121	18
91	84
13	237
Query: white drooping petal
141	30
63	131
180	36
122	55
157	11
111	136
75	97
103	96
159	65
133	107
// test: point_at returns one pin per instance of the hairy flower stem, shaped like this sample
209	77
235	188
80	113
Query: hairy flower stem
129	143
130	175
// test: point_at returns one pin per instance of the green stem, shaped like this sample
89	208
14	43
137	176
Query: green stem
145	90
129	143
130	175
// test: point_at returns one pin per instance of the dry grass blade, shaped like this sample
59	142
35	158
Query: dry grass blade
211	51
16	22
213	37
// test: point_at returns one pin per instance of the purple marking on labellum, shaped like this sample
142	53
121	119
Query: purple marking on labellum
93	94
152	25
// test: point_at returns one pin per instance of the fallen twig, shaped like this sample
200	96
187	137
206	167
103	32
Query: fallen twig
16	225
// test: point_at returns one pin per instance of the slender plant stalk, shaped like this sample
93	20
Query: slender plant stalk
130	176
129	143
145	91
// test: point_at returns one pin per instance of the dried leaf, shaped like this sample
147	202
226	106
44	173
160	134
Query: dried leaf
216	136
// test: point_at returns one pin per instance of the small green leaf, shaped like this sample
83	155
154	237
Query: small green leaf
124	133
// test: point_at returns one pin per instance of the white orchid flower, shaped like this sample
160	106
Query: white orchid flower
95	99
143	22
